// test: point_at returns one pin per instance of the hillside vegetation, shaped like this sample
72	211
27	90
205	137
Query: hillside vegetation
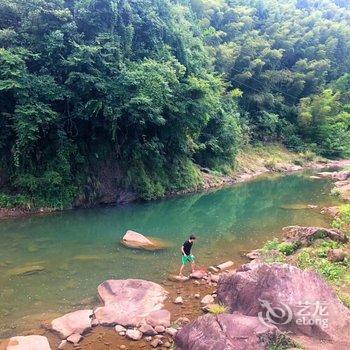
139	92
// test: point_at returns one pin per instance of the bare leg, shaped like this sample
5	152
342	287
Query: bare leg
181	269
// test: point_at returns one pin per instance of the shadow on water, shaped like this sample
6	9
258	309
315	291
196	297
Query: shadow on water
73	251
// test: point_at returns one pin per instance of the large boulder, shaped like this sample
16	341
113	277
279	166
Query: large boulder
30	342
306	235
226	332
76	322
128	302
136	240
295	300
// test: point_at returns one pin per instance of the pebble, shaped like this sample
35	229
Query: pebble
167	344
147	329
133	334
197	296
182	321
171	331
149	338
75	338
208	299
122	347
118	328
121	333
196	283
63	343
178	300
159	329
155	342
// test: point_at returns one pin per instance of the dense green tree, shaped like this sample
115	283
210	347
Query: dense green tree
137	93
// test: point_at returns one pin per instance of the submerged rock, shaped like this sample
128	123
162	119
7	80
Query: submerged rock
295	300
30	342
296	206
26	270
128	302
226	332
226	265
76	322
136	240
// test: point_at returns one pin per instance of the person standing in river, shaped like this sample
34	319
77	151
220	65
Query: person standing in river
187	257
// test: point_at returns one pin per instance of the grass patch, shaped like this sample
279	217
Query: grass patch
283	342
343	221
218	309
273	251
336	273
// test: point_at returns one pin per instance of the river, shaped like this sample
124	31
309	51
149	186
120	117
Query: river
78	249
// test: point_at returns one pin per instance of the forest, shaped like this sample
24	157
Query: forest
144	92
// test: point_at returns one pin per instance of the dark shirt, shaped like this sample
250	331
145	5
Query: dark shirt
187	247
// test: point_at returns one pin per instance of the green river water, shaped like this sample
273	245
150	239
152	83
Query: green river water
79	249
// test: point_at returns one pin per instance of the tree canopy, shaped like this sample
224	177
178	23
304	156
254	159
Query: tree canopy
142	91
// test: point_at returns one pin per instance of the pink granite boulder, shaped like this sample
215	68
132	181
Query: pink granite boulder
226	332
128	302
30	342
76	322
